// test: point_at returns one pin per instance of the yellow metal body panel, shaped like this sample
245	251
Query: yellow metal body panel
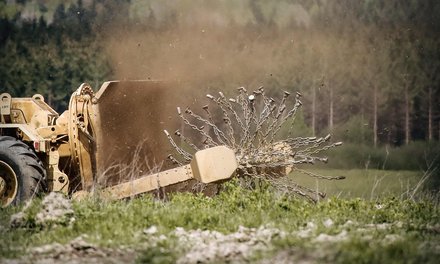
128	120
214	164
148	183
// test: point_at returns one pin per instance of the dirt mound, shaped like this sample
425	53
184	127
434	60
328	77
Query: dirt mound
78	251
205	246
55	209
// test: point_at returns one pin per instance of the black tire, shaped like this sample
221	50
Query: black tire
19	161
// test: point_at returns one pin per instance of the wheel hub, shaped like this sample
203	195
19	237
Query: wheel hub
2	186
8	184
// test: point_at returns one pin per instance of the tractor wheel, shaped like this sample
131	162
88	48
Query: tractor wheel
22	175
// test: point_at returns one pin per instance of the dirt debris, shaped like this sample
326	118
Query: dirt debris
342	236
55	209
151	230
208	246
204	246
328	223
291	255
78	251
307	231
18	220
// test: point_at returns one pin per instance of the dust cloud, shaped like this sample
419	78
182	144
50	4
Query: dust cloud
201	50
199	56
204	49
193	60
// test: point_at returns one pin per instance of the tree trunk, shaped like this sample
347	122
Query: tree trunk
362	119
314	110
407	125
330	117
430	129
49	99
375	116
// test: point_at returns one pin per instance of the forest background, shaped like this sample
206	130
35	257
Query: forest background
367	69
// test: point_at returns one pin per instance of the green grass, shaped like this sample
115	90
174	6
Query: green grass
419	155
367	184
112	224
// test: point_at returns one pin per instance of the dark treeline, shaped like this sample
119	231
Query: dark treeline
50	58
368	69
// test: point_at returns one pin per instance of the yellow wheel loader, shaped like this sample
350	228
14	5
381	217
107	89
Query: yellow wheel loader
42	151
111	142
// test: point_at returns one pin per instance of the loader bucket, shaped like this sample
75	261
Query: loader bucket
129	119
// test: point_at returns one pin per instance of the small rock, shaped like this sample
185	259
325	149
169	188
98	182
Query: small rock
328	238
18	220
348	223
328	223
48	249
433	228
311	225
80	244
391	238
307	231
382	226
378	206
151	230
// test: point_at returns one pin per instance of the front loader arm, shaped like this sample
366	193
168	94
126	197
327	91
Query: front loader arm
208	165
